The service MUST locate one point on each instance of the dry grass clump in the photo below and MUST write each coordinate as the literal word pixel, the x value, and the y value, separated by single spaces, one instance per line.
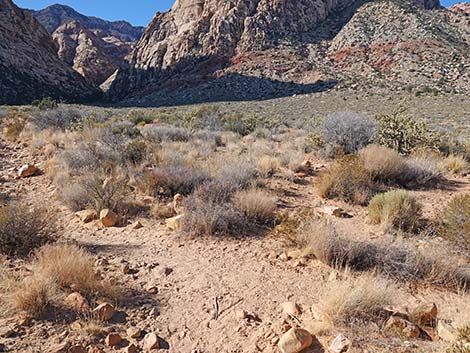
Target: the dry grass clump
pixel 383 163
pixel 23 229
pixel 70 267
pixel 54 271
pixel 268 165
pixel 163 133
pixel 397 209
pixel 256 205
pixel 456 220
pixel 347 180
pixel 14 124
pixel 357 299
pixel 455 164
pixel 32 294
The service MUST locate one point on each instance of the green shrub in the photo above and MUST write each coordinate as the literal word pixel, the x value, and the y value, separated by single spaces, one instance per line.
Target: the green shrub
pixel 397 209
pixel 456 220
pixel 23 230
pixel 401 132
pixel 347 180
pixel 46 103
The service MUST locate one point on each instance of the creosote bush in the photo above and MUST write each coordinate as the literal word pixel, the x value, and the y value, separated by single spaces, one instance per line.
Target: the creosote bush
pixel 456 221
pixel 347 180
pixel 350 131
pixel 23 229
pixel 397 209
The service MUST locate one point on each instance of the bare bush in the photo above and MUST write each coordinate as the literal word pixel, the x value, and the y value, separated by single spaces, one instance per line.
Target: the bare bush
pixel 421 171
pixel 349 130
pixel 23 229
pixel 456 221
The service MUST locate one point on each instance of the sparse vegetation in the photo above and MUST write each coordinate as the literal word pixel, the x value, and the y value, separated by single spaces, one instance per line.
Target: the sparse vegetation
pixel 57 118
pixel 397 209
pixel 23 229
pixel 46 103
pixel 256 205
pixel 383 163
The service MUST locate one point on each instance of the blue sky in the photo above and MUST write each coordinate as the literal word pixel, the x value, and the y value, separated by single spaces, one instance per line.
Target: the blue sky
pixel 137 12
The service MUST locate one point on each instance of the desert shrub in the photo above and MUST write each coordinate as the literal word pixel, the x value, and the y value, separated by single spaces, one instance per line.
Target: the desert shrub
pixel 211 213
pixel 124 128
pixel 456 220
pixel 421 171
pixel 135 151
pixel 401 132
pixel 139 117
pixel 171 180
pixel 347 180
pixel 383 163
pixel 356 299
pixel 75 196
pixel 14 124
pixel 46 103
pixel 256 205
pixel 241 124
pixel 72 268
pixel 60 118
pixel 455 164
pixel 349 130
pixel 23 229
pixel 162 133
pixel 397 209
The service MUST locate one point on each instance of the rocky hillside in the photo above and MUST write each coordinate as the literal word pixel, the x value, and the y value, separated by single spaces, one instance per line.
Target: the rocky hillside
pixel 93 47
pixel 29 66
pixel 54 16
pixel 344 43
pixel 89 55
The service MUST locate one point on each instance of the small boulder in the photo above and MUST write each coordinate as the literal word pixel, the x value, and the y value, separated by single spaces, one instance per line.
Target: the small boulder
pixel 113 339
pixel 136 225
pixel 241 314
pixel 104 312
pixel 131 348
pixel 290 309
pixel 77 302
pixel 424 314
pixel 447 332
pixel 402 327
pixel 109 218
pixel 295 340
pixel 174 223
pixel 340 344
pixel 87 216
pixel 28 170
pixel 134 332
pixel 151 342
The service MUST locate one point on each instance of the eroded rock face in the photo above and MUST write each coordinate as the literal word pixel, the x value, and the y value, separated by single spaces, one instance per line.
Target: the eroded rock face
pixel 247 47
pixel 88 54
pixel 194 30
pixel 29 66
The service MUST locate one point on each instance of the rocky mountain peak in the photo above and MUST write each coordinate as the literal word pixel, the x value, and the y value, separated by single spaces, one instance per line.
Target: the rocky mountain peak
pixel 29 66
